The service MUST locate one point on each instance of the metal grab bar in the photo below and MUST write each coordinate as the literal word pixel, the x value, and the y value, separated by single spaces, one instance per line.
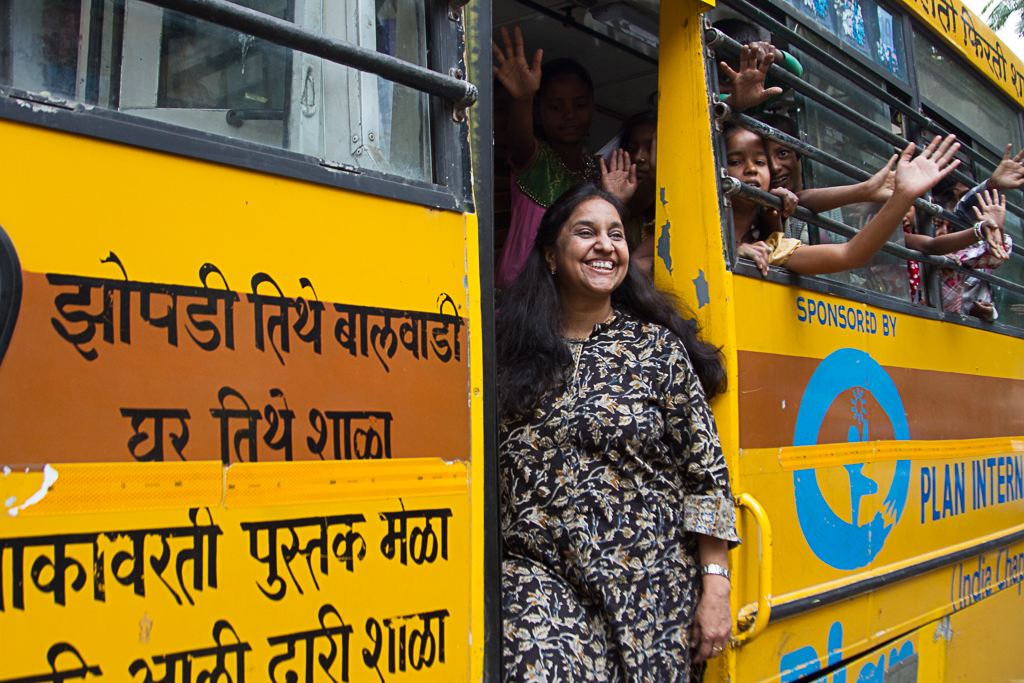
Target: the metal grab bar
pixel 724 113
pixel 733 187
pixel 762 19
pixel 764 573
pixel 716 39
pixel 794 38
pixel 286 34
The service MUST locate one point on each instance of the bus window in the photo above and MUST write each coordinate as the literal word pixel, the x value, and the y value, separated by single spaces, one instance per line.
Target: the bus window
pixel 166 66
pixel 41 47
pixel 832 133
pixel 951 89
pixel 951 92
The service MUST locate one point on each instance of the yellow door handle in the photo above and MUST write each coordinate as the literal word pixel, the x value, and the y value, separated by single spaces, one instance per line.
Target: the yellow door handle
pixel 764 573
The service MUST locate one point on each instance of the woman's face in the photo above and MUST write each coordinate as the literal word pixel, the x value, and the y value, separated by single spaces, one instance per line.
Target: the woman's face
pixel 786 168
pixel 566 110
pixel 747 160
pixel 590 257
pixel 640 146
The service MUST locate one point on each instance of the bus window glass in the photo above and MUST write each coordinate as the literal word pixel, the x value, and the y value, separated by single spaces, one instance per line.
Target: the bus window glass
pixel 874 32
pixel 166 66
pixel 951 88
pixel 209 67
pixel 839 137
pixel 1009 304
pixel 820 11
pixel 41 47
pixel 865 26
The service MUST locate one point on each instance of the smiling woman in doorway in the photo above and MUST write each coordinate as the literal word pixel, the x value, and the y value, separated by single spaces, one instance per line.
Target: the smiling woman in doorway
pixel 616 508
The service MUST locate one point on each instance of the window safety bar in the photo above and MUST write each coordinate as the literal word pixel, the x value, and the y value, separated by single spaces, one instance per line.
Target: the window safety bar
pixel 724 113
pixel 460 93
pixel 792 37
pixel 734 188
pixel 717 40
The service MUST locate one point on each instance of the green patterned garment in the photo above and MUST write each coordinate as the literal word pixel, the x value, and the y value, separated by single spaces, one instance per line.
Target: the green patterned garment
pixel 548 178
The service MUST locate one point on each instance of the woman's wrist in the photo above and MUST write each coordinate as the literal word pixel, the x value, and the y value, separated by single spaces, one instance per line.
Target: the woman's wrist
pixel 716 585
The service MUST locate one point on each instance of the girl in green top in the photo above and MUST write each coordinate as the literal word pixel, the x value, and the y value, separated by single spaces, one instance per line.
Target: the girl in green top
pixel 549 158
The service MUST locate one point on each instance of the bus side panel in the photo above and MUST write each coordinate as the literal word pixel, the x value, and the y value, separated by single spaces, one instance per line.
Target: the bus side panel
pixel 236 423
pixel 216 300
pixel 984 639
pixel 861 434
pixel 185 567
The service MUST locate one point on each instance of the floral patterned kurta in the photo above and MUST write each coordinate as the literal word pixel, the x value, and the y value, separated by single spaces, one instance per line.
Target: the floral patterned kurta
pixel 603 491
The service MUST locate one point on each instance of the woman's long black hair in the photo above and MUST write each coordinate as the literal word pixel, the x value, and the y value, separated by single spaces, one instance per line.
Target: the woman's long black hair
pixel 532 351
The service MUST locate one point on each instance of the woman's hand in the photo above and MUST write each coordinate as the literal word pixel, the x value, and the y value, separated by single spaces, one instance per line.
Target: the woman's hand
pixel 879 187
pixel 991 212
pixel 712 624
pixel 620 179
pixel 520 79
pixel 917 176
pixel 748 83
pixel 759 253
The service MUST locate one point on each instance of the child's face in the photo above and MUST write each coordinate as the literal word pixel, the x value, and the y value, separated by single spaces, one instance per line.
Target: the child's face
pixel 786 167
pixel 941 227
pixel 566 110
pixel 910 220
pixel 640 147
pixel 747 159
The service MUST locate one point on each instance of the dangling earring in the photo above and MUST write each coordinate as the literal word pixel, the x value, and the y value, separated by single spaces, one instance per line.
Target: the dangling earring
pixel 552 270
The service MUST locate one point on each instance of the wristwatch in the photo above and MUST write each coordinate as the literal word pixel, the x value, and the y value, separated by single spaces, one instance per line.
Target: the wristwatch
pixel 716 569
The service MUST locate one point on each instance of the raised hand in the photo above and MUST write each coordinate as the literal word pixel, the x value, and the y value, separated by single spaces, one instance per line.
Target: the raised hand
pixel 917 176
pixel 620 179
pixel 748 83
pixel 1009 174
pixel 511 68
pixel 879 187
pixel 991 212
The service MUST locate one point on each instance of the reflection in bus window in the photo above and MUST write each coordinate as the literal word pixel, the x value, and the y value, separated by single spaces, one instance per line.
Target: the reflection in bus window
pixel 136 58
pixel 865 26
pixel 951 88
pixel 208 67
pixel 41 46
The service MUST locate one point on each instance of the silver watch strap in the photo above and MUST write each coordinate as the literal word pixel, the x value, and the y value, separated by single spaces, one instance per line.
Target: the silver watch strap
pixel 716 569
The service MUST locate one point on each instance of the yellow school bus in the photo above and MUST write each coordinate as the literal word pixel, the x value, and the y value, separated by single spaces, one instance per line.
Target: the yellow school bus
pixel 246 363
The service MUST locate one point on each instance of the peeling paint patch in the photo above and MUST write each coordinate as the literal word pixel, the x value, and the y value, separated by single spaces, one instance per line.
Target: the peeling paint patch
pixel 49 479
pixel 700 284
pixel 664 246
pixel 145 628
pixel 37 108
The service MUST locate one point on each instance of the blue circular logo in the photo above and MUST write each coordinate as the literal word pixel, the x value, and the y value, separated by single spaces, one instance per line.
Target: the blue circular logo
pixel 836 542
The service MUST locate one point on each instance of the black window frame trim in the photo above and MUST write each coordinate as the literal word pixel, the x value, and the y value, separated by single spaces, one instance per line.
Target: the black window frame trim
pixel 114 126
pixel 450 165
